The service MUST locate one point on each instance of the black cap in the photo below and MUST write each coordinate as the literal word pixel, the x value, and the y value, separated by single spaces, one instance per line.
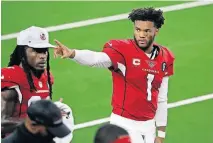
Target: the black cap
pixel 45 112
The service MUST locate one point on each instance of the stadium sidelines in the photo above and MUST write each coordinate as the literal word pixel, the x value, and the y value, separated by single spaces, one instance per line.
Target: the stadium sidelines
pixel 110 18
pixel 170 105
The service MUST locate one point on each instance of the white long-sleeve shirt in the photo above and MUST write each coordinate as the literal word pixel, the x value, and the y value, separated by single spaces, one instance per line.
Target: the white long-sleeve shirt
pixel 68 120
pixel 102 60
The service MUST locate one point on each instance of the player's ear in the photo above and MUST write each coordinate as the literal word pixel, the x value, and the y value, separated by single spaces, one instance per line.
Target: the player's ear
pixel 156 31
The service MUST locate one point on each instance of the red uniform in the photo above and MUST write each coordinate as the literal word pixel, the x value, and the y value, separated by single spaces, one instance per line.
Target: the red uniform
pixel 136 78
pixel 15 77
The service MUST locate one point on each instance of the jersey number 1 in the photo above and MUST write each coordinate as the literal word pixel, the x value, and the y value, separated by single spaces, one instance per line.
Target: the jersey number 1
pixel 150 78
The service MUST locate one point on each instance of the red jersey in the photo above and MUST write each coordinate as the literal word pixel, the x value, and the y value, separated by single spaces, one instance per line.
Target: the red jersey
pixel 137 78
pixel 15 77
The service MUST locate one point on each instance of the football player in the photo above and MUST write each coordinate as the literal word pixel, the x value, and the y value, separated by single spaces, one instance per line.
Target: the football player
pixel 140 70
pixel 27 77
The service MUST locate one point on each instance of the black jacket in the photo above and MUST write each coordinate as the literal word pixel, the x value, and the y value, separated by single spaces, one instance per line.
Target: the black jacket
pixel 22 135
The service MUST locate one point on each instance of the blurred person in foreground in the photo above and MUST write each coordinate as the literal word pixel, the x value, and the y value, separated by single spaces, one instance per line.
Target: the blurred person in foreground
pixel 110 133
pixel 43 124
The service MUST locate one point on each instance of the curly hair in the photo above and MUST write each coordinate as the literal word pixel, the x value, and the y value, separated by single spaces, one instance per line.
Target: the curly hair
pixel 148 14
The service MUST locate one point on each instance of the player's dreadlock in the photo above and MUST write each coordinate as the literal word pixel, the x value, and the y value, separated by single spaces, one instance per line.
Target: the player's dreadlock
pixel 19 56
pixel 48 74
pixel 148 14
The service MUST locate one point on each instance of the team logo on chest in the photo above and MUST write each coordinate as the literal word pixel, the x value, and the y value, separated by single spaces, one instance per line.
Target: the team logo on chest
pixel 151 63
pixel 40 84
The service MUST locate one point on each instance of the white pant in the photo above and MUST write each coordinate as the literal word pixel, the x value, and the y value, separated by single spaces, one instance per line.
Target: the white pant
pixel 140 131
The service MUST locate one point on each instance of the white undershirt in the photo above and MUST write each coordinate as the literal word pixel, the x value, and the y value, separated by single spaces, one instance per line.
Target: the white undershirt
pixel 102 60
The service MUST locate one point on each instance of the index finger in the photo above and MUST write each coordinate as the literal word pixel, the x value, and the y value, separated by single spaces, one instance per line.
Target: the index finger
pixel 58 43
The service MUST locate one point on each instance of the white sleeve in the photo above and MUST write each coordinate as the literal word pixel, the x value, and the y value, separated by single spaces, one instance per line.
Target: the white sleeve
pixel 67 139
pixel 162 111
pixel 68 120
pixel 92 59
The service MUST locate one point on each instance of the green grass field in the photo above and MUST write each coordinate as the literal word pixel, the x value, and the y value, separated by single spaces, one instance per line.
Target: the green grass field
pixel 188 33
